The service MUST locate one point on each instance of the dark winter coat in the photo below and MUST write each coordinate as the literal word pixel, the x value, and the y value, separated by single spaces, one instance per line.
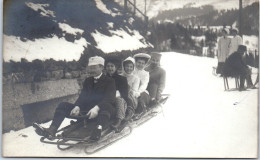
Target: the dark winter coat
pixel 121 85
pixel 235 65
pixel 101 93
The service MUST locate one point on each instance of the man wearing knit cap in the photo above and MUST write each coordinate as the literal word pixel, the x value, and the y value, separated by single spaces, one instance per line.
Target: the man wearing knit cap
pixel 95 101
pixel 157 78
pixel 236 66
pixel 235 41
pixel 223 49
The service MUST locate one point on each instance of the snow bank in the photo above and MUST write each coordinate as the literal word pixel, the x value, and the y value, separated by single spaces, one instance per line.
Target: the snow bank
pixel 40 7
pixel 45 48
pixel 120 40
pixel 68 29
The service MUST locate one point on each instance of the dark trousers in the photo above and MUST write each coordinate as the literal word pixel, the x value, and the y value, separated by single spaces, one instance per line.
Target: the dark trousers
pixel 63 111
pixel 246 76
pixel 220 66
pixel 152 88
pixel 143 101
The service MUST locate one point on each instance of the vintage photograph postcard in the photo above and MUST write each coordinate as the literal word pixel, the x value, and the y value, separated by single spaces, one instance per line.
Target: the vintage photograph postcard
pixel 130 78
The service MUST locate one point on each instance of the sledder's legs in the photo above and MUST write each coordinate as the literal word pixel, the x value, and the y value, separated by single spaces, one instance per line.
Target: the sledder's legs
pixel 121 107
pixel 143 101
pixel 62 111
pixel 132 100
pixel 152 89
pixel 102 121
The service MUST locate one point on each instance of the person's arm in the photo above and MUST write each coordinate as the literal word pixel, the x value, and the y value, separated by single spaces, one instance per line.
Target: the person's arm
pixel 82 96
pixel 144 82
pixel 219 47
pixel 135 87
pixel 124 89
pixel 161 85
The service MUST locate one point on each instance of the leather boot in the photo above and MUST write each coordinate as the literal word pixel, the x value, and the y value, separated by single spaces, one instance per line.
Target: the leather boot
pixel 96 134
pixel 45 132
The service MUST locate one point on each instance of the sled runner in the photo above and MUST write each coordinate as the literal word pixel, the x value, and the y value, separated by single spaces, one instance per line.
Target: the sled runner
pixel 78 133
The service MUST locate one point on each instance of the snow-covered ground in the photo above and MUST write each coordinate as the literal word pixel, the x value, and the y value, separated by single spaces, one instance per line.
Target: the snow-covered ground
pixel 199 120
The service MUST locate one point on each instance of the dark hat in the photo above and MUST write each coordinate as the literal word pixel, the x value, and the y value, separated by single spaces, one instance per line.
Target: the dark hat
pixel 225 30
pixel 242 48
pixel 156 55
pixel 115 60
pixel 235 29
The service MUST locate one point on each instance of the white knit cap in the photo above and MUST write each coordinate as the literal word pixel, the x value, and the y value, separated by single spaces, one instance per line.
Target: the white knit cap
pixel 96 60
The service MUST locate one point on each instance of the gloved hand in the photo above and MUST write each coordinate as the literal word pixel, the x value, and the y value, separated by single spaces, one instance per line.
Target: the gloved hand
pixel 93 112
pixel 75 111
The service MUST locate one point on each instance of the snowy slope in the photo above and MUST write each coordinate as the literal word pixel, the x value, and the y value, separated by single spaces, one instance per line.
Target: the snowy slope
pixel 199 120
pixel 47 29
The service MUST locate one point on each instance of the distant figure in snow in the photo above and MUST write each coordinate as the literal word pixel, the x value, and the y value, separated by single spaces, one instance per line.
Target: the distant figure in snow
pixel 133 86
pixel 156 83
pixel 95 100
pixel 223 50
pixel 142 60
pixel 236 66
pixel 235 41
pixel 121 102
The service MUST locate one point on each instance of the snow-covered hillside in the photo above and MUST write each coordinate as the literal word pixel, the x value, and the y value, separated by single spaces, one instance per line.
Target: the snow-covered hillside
pixel 155 6
pixel 48 29
pixel 199 120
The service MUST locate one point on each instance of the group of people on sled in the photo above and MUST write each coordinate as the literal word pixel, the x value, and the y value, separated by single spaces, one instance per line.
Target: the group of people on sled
pixel 231 58
pixel 110 95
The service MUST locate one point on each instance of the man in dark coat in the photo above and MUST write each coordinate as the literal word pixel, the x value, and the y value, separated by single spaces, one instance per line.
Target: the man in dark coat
pixel 95 100
pixel 156 83
pixel 236 66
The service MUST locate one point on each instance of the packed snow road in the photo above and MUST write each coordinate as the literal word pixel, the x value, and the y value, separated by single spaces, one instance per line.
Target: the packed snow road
pixel 199 120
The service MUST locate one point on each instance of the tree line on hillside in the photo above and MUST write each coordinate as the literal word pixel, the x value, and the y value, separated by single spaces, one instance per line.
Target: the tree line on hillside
pixel 181 13
pixel 211 17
